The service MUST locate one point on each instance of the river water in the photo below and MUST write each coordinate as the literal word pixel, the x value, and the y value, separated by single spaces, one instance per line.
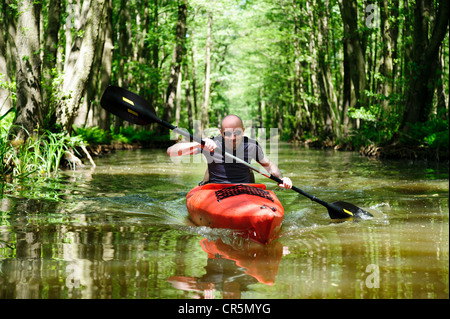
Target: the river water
pixel 121 231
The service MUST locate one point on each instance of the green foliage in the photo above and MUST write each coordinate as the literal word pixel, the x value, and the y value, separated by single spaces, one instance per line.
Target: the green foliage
pixel 130 135
pixel 93 135
pixel 5 124
pixel 127 135
pixel 371 132
pixel 39 155
pixel 433 133
pixel 55 94
pixel 9 86
pixel 377 125
pixel 363 114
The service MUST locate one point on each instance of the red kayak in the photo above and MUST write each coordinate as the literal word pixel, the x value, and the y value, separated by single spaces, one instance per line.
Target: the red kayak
pixel 249 209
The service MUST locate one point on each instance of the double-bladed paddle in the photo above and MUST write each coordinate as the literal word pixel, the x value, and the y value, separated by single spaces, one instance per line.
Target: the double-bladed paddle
pixel 134 109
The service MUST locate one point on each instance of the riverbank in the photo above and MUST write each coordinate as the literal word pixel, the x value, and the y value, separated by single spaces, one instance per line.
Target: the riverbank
pixel 97 150
pixel 395 152
pixel 391 152
pixel 410 152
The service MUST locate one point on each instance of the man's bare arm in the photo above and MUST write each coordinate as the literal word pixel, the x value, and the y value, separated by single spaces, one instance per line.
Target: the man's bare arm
pixel 190 148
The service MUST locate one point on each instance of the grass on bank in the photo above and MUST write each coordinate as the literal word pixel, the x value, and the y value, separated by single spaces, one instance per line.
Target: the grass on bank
pixel 39 155
pixel 42 155
pixel 126 135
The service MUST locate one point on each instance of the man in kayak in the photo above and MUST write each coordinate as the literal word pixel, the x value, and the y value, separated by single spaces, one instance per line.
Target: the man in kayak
pixel 222 169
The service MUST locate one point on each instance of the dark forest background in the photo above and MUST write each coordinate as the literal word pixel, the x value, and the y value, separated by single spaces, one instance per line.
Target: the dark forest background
pixel 348 74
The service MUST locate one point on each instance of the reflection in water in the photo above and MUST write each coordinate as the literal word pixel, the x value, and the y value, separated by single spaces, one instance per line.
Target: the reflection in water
pixel 232 267
pixel 260 261
pixel 121 232
pixel 81 260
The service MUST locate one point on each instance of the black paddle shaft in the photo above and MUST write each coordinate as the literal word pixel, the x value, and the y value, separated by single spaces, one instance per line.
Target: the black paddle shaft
pixel 298 190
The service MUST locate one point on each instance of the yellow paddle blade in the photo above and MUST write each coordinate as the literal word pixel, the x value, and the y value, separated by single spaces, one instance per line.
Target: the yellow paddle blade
pixel 348 212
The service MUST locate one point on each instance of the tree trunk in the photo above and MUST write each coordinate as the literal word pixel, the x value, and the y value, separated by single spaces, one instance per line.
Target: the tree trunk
pixel 425 61
pixel 207 86
pixel 194 79
pixel 178 99
pixel 144 50
pixel 297 99
pixel 154 80
pixel 187 92
pixel 347 101
pixel 91 113
pixel 5 95
pixel 327 94
pixel 261 107
pixel 50 54
pixel 78 14
pixel 104 117
pixel 87 109
pixel 387 67
pixel 124 45
pixel 442 98
pixel 314 90
pixel 407 33
pixel 80 64
pixel 394 14
pixel 28 71
pixel 355 49
pixel 178 53
pixel 304 89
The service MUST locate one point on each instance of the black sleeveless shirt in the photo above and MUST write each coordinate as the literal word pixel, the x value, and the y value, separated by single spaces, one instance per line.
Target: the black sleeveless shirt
pixel 223 169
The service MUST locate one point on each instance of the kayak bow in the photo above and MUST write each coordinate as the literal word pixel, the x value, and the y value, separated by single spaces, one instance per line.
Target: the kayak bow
pixel 249 210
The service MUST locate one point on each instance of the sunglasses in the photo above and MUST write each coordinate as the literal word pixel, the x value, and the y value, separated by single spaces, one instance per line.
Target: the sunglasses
pixel 230 133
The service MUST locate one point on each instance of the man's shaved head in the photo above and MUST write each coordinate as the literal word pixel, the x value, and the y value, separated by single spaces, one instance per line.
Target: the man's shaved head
pixel 231 120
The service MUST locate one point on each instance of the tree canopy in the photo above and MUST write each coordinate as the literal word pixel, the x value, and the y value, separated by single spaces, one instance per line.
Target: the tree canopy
pixel 339 72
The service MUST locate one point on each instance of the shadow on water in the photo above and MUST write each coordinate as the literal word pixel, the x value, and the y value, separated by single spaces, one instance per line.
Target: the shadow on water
pixel 121 231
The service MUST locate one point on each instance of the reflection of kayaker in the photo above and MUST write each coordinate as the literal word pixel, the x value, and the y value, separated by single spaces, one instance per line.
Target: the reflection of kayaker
pixel 260 262
pixel 223 279
pixel 191 284
pixel 231 268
